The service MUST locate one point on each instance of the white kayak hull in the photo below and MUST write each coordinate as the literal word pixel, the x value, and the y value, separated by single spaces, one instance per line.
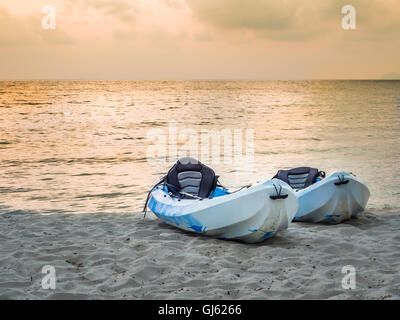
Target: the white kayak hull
pixel 330 200
pixel 248 215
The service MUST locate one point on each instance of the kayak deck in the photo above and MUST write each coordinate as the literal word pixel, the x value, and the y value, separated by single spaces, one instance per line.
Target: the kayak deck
pixel 252 214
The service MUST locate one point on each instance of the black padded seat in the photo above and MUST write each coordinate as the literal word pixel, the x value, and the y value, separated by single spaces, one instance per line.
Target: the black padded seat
pixel 298 178
pixel 190 176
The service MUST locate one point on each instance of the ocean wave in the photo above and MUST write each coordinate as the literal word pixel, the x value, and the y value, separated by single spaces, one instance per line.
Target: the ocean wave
pixel 105 195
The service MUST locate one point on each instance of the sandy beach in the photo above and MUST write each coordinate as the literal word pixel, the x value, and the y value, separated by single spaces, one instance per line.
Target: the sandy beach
pixel 124 256
pixel 100 99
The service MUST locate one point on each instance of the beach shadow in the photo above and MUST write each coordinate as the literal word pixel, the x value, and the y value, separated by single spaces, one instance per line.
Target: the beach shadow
pixel 276 241
pixel 365 221
pixel 286 239
pixel 163 227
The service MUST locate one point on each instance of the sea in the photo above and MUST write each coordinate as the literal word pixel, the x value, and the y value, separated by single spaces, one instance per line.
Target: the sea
pixel 98 146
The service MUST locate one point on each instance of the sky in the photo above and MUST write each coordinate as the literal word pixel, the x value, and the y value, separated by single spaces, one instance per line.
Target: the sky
pixel 199 39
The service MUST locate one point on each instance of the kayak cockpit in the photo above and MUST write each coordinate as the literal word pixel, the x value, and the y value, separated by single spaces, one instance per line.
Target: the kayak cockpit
pixel 217 192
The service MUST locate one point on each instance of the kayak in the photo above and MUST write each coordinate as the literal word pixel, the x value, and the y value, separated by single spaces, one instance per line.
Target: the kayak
pixel 334 199
pixel 251 214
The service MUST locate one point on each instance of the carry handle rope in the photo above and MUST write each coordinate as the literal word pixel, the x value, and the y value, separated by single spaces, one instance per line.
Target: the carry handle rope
pixel 341 181
pixel 173 192
pixel 278 193
pixel 148 195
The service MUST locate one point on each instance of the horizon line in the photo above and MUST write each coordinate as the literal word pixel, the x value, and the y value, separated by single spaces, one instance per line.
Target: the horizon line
pixel 197 79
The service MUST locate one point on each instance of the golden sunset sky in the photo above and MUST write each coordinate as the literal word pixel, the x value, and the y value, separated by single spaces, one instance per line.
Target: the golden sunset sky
pixel 199 39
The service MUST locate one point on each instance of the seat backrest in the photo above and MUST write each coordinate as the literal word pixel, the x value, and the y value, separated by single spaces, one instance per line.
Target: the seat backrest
pixel 191 176
pixel 298 178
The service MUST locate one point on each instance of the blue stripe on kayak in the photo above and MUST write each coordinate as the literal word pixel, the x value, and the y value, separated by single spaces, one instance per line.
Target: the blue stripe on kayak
pixel 265 235
pixel 196 228
pixel 172 215
pixel 332 217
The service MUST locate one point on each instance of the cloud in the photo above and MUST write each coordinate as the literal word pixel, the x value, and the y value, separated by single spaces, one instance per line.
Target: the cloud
pixel 13 31
pixel 51 37
pixel 243 14
pixel 123 10
pixel 175 4
pixel 181 39
pixel 28 32
pixel 298 19
pixel 276 19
